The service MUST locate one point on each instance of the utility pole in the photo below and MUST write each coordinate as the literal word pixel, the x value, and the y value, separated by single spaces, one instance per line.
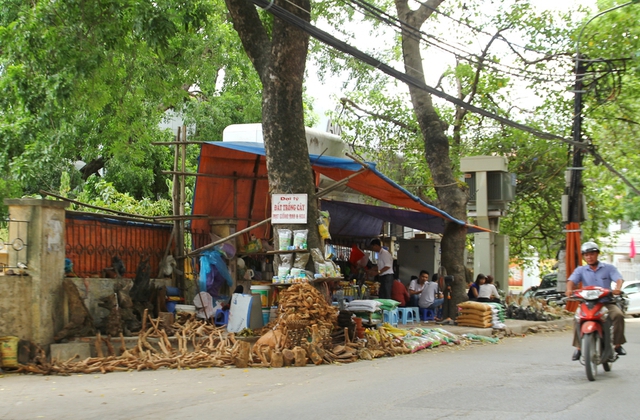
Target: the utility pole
pixel 573 200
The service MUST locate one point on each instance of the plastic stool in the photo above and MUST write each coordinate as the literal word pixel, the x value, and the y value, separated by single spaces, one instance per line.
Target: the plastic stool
pixel 222 317
pixel 427 314
pixel 406 315
pixel 416 313
pixel 390 317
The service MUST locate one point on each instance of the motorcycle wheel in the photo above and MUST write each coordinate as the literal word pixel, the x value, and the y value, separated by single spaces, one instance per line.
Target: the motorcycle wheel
pixel 591 354
pixel 606 366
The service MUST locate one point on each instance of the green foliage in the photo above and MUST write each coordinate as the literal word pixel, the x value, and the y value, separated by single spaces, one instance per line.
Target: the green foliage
pixel 93 80
pixel 100 193
pixel 538 59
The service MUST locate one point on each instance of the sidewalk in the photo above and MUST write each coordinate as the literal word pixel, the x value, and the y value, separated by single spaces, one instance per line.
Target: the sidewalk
pixel 513 327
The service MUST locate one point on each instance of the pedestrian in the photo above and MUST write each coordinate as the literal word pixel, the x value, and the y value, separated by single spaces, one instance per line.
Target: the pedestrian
pixel 384 269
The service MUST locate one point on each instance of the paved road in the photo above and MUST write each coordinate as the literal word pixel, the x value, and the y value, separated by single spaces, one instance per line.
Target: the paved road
pixel 528 377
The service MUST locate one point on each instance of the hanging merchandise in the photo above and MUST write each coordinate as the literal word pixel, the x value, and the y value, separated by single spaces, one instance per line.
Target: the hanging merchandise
pixel 213 273
pixel 323 225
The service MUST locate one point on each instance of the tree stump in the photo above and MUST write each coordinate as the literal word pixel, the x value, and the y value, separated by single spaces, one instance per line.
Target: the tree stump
pixel 243 355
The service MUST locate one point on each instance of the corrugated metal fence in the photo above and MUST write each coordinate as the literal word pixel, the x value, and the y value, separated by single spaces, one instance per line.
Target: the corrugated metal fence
pixel 92 240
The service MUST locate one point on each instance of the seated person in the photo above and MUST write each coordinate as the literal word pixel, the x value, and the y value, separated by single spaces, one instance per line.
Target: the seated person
pixel 488 291
pixel 416 286
pixel 474 287
pixel 431 296
pixel 399 293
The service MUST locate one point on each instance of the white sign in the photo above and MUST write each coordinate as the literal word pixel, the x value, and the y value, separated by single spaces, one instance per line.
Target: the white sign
pixel 289 208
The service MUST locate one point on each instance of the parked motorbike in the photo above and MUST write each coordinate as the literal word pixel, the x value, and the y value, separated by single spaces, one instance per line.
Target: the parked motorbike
pixel 596 335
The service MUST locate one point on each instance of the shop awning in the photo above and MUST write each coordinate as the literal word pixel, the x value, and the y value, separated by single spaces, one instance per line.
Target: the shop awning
pixel 364 220
pixel 232 184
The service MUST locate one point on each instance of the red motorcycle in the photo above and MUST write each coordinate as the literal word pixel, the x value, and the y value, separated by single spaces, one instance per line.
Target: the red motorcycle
pixel 595 329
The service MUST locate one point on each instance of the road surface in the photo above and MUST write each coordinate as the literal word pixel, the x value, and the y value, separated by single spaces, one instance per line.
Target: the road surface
pixel 529 377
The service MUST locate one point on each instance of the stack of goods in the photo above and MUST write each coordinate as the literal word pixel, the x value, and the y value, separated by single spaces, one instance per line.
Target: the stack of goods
pixel 364 305
pixel 498 315
pixel 368 310
pixel 475 314
pixel 388 304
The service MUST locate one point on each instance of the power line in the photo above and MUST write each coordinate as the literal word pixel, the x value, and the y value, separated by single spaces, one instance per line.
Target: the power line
pixel 458 51
pixel 328 39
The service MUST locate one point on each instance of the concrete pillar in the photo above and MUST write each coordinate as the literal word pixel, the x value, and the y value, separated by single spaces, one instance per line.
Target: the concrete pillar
pixel 483 253
pixel 501 268
pixel 40 224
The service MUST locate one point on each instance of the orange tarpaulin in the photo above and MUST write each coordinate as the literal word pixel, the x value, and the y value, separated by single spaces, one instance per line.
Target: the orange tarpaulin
pixel 573 256
pixel 233 184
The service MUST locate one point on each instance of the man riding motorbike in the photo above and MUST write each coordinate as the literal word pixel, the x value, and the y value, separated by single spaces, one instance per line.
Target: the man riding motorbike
pixel 597 273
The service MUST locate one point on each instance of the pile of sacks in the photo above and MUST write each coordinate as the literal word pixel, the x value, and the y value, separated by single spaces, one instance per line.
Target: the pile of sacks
pixel 475 314
pixel 498 315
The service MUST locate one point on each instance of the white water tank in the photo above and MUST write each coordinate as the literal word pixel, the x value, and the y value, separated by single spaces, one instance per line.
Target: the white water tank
pixel 319 142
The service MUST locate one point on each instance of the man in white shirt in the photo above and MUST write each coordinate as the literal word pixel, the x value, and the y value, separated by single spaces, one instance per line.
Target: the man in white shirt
pixel 385 269
pixel 431 296
pixel 415 287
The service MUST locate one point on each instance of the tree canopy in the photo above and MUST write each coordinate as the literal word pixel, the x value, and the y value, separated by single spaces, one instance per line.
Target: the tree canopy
pixel 91 82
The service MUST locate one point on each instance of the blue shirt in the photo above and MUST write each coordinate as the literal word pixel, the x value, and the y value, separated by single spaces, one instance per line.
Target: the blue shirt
pixel 602 276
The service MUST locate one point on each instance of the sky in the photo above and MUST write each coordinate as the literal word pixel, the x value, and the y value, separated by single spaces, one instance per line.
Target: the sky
pixel 324 94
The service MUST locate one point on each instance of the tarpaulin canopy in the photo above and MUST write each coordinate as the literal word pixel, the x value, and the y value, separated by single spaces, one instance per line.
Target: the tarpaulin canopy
pixel 232 184
pixel 364 220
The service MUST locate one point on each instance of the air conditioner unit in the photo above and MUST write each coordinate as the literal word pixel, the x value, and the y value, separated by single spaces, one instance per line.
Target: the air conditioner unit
pixel 501 189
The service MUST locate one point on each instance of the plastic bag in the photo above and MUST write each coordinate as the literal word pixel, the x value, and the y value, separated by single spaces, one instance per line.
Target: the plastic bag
pixel 323 225
pixel 284 239
pixel 317 256
pixel 213 272
pixel 301 260
pixel 300 239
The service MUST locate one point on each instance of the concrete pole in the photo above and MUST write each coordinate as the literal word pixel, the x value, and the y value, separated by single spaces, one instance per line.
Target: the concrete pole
pixel 41 225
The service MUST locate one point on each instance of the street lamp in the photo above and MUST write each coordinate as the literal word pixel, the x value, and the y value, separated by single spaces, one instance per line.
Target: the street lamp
pixel 575 204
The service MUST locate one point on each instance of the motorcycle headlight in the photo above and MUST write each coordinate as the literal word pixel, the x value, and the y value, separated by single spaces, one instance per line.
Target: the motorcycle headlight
pixel 590 294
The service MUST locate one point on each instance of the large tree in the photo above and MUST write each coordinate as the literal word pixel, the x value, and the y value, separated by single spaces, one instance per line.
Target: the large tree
pixel 278 52
pixel 451 196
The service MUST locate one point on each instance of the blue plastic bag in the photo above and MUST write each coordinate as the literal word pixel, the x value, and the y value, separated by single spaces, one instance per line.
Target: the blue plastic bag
pixel 213 272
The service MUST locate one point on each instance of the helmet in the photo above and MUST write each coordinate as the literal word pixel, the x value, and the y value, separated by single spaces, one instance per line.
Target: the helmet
pixel 589 247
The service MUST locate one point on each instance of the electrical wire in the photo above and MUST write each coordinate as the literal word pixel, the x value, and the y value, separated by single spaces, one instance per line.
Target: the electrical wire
pixel 328 39
pixel 457 51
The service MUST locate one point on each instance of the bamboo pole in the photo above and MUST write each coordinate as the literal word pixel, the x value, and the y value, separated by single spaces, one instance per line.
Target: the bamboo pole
pixel 213 175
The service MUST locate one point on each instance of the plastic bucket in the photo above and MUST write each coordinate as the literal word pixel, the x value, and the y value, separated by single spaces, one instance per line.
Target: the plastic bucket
pixel 265 316
pixel 171 306
pixel 263 291
pixel 9 351
pixel 191 309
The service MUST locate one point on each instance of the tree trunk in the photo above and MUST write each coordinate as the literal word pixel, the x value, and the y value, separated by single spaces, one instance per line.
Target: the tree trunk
pixel 452 198
pixel 280 62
